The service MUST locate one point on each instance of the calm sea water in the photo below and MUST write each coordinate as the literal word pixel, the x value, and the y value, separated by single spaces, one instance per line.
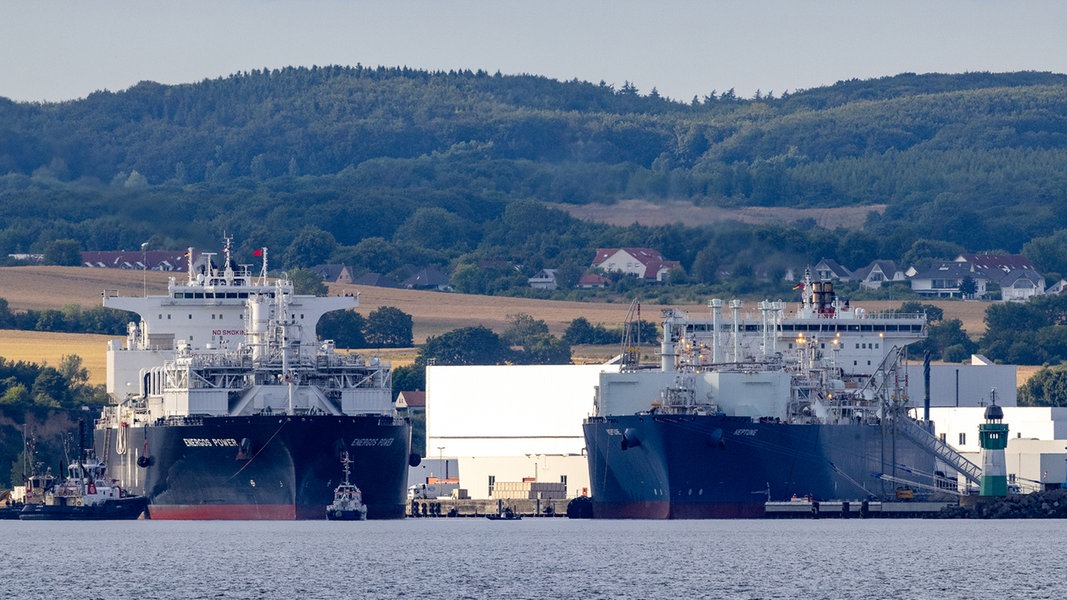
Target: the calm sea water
pixel 534 558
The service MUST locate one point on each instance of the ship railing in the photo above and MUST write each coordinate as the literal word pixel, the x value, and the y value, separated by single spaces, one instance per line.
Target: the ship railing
pixel 920 435
pixel 888 314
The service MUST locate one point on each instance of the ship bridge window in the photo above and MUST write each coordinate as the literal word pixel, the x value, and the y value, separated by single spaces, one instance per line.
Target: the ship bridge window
pixel 963 438
pixel 198 295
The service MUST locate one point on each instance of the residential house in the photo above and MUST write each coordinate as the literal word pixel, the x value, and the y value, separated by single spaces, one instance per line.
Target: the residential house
pixel 644 263
pixel 878 272
pixel 592 280
pixel 428 278
pixel 829 269
pixel 545 279
pixel 1014 273
pixel 1021 285
pixel 413 404
pixel 943 280
pixel 1057 288
pixel 375 280
pixel 334 273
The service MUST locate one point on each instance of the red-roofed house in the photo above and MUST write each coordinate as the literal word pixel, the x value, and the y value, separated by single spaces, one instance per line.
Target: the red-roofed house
pixel 644 263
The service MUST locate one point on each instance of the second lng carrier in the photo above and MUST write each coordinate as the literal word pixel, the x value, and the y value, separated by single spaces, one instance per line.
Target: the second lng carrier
pixel 746 411
pixel 227 406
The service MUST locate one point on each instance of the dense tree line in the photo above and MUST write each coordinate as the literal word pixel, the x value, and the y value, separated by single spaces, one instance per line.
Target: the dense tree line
pixel 386 168
pixel 384 327
pixel 24 384
pixel 390 169
pixel 71 319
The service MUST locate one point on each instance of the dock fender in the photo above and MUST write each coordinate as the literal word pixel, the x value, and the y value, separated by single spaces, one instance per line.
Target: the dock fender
pixel 414 459
pixel 715 438
pixel 630 439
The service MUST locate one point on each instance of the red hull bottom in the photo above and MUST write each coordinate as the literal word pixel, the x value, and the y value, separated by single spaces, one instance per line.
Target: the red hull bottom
pixel 665 510
pixel 227 512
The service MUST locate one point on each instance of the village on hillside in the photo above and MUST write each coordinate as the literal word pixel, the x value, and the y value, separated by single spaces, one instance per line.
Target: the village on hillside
pixel 969 276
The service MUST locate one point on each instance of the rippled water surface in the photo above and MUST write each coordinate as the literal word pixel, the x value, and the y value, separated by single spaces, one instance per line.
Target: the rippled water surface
pixel 534 558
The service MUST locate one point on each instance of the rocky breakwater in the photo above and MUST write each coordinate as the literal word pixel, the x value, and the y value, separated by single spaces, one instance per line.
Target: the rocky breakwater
pixel 1037 505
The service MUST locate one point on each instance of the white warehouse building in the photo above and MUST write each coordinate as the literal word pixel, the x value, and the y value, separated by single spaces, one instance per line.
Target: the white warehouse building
pixel 512 423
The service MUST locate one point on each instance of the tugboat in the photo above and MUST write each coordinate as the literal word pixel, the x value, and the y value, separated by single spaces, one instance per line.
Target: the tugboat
pixel 347 499
pixel 37 483
pixel 85 494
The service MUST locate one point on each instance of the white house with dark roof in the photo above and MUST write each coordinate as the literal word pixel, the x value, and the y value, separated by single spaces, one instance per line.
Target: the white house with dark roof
pixel 878 272
pixel 1021 285
pixel 643 263
pixel 1014 273
pixel 334 273
pixel 829 269
pixel 943 280
pixel 545 279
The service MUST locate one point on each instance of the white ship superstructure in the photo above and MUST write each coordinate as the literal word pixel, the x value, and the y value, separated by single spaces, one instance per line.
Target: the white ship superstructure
pixel 822 328
pixel 227 343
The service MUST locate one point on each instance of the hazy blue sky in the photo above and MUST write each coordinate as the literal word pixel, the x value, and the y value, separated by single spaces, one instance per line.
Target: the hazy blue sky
pixel 57 50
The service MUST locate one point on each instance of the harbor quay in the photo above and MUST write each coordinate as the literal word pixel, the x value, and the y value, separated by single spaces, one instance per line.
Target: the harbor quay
pixel 448 507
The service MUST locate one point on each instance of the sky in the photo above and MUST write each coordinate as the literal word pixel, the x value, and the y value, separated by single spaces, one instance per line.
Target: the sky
pixel 62 49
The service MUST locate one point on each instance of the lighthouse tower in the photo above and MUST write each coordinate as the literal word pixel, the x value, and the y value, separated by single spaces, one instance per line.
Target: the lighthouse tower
pixel 993 435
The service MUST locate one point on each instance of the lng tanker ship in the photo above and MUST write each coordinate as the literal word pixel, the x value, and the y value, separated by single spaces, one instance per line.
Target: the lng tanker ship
pixel 744 411
pixel 227 406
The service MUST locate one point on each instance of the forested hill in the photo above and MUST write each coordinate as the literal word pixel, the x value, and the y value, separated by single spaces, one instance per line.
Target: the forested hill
pixel 356 151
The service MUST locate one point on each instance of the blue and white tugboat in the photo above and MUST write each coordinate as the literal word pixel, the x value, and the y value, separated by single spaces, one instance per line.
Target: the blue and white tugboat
pixel 347 499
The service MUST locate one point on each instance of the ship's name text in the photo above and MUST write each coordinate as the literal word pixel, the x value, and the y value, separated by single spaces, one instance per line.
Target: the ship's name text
pixel 751 432
pixel 209 442
pixel 372 442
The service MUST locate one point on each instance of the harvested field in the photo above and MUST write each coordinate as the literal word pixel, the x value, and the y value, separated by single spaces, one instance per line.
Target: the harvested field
pixel 433 313
pixel 50 348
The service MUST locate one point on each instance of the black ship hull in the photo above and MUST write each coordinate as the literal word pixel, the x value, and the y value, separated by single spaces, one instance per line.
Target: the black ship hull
pixel 704 466
pixel 118 509
pixel 260 467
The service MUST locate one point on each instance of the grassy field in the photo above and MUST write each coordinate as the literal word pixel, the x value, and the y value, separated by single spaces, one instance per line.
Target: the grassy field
pixel 433 313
